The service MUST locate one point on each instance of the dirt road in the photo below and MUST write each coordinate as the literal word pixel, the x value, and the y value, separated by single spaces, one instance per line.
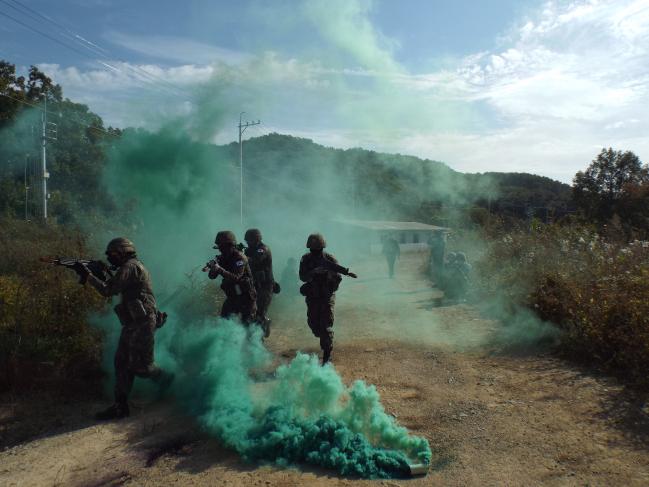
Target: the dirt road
pixel 491 419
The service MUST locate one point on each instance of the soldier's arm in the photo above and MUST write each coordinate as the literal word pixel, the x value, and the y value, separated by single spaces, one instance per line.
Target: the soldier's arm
pixel 335 267
pixel 239 267
pixel 305 272
pixel 112 285
pixel 269 262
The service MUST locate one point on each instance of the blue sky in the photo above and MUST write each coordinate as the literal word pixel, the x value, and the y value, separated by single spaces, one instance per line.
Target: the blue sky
pixel 532 86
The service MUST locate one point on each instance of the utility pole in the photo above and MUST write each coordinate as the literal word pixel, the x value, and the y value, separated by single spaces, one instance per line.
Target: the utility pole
pixel 242 129
pixel 49 132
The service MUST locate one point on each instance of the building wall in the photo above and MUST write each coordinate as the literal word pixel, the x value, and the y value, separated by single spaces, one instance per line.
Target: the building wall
pixel 409 240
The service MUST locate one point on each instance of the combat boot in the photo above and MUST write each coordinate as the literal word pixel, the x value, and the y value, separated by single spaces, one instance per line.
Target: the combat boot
pixel 164 381
pixel 118 410
pixel 265 325
pixel 326 356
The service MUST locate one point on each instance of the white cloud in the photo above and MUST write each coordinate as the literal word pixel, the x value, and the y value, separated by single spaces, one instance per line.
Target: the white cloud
pixel 564 83
pixel 177 49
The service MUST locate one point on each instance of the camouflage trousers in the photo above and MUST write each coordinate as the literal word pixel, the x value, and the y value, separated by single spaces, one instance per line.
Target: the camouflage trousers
pixel 244 305
pixel 320 318
pixel 134 357
pixel 391 260
pixel 264 297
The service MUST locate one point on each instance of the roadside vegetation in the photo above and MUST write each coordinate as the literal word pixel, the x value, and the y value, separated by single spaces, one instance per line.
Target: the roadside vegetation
pixel 575 256
pixel 593 287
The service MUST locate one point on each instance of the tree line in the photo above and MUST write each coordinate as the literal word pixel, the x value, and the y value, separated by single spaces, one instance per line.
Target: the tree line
pixel 612 190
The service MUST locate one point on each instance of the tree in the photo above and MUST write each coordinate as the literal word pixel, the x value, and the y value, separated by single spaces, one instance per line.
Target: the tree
pixel 75 161
pixel 615 183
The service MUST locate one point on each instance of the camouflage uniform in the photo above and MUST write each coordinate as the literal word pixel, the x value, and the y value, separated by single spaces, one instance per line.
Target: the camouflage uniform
pixel 391 250
pixel 261 266
pixel 137 314
pixel 238 286
pixel 289 279
pixel 437 254
pixel 321 282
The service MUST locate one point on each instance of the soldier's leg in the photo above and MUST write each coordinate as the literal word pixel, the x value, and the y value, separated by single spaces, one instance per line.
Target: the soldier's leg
pixel 248 309
pixel 123 372
pixel 228 309
pixel 142 357
pixel 326 312
pixel 391 260
pixel 264 297
pixel 123 379
pixel 312 316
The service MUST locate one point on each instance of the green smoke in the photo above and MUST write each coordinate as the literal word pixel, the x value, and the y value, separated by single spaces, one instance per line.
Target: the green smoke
pixel 303 415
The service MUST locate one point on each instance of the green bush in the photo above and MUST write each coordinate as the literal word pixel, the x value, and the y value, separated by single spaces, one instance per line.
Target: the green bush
pixel 596 290
pixel 44 333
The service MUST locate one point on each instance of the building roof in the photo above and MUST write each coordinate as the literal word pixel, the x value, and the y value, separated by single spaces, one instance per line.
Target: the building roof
pixel 392 226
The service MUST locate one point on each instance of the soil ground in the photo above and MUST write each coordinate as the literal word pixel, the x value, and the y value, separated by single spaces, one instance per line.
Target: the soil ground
pixel 492 418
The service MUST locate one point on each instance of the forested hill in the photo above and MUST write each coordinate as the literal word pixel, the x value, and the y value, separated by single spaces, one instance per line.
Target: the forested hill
pixel 412 185
pixel 384 185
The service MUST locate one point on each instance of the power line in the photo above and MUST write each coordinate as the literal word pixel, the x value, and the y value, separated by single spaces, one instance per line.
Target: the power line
pixel 242 128
pixel 73 119
pixel 91 46
pixel 72 35
pixel 137 71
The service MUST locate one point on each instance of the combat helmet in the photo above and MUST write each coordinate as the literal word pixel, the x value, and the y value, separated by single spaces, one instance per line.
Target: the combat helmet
pixel 252 234
pixel 316 242
pixel 225 237
pixel 121 246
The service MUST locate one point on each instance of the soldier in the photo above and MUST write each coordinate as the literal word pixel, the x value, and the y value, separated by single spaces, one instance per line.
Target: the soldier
pixel 290 278
pixel 461 271
pixel 437 251
pixel 392 251
pixel 237 279
pixel 261 265
pixel 139 318
pixel 321 275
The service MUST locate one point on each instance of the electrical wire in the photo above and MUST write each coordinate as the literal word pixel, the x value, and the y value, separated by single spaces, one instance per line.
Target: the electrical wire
pixel 138 72
pixel 92 47
pixel 68 117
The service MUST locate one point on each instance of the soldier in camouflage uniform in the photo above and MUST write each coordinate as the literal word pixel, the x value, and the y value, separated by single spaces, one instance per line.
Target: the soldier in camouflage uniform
pixel 240 294
pixel 139 318
pixel 261 265
pixel 320 273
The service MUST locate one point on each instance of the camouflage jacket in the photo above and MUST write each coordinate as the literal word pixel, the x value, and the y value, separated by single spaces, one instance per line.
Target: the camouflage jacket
pixel 391 248
pixel 237 277
pixel 133 282
pixel 260 260
pixel 321 274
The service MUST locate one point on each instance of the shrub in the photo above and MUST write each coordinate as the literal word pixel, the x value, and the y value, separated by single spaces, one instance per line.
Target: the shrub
pixel 596 290
pixel 43 310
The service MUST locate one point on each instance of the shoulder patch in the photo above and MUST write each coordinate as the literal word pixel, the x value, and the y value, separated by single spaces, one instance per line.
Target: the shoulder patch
pixel 260 250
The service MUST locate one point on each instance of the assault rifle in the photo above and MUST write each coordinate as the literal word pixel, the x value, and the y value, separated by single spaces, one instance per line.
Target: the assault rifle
pixel 97 268
pixel 211 263
pixel 327 265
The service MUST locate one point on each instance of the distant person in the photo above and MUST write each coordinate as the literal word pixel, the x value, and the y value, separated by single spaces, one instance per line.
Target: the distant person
pixel 237 284
pixel 320 273
pixel 260 260
pixel 290 278
pixel 437 250
pixel 457 276
pixel 139 318
pixel 391 250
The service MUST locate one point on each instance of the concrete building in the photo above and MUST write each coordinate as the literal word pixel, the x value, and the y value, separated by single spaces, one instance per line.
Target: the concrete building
pixel 412 236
